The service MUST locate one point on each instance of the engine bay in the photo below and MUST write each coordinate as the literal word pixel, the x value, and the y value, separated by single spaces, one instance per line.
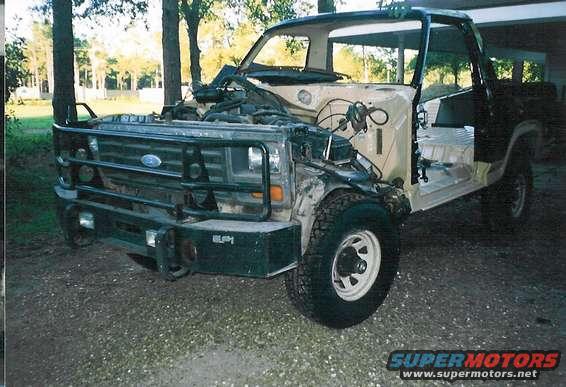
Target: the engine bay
pixel 340 125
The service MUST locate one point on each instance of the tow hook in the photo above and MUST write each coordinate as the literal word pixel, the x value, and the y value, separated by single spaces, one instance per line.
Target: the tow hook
pixel 161 256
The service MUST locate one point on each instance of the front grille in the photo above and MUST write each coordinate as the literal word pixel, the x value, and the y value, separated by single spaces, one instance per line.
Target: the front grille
pixel 130 152
pixel 167 179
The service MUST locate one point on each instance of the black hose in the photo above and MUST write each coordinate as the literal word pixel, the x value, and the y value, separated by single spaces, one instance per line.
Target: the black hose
pixel 373 110
pixel 227 105
pixel 249 86
pixel 227 117
pixel 343 179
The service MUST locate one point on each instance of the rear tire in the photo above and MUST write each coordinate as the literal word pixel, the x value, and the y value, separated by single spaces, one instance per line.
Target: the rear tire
pixel 350 263
pixel 506 205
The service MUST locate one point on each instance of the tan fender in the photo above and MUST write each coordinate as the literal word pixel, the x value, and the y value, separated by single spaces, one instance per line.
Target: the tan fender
pixel 530 130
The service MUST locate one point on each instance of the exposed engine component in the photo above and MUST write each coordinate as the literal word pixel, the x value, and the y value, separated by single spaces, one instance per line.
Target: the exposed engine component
pixel 234 99
pixel 357 115
pixel 238 100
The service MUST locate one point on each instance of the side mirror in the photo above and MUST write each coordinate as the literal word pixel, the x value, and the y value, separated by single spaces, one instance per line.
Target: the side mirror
pixel 422 116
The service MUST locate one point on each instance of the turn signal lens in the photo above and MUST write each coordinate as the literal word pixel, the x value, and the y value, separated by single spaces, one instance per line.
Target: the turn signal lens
pixel 150 236
pixel 86 220
pixel 275 191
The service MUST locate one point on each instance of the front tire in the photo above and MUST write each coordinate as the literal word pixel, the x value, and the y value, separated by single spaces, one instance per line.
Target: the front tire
pixel 350 263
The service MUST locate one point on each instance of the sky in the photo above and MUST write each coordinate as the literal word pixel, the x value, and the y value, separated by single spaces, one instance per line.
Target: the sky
pixel 109 31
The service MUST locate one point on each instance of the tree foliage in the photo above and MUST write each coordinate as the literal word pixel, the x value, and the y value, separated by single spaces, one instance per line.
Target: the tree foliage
pixel 63 41
pixel 365 64
pixel 443 63
pixel 268 13
pixel 533 72
pixel 326 6
pixel 263 12
pixel 16 66
pixel 447 62
pixel 92 9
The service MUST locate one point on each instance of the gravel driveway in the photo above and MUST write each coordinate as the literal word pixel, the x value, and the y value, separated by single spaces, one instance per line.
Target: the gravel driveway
pixel 93 317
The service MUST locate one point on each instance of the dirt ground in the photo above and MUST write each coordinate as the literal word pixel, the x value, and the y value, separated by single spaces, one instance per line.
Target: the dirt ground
pixel 93 317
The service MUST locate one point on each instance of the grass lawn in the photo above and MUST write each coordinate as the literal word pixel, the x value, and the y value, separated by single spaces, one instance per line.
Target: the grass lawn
pixel 30 169
pixel 30 175
pixel 36 116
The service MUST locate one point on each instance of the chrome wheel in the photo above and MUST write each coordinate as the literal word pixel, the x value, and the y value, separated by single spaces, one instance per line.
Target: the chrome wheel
pixel 356 265
pixel 518 195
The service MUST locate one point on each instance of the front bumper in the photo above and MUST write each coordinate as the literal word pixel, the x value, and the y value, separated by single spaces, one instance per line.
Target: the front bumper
pixel 232 247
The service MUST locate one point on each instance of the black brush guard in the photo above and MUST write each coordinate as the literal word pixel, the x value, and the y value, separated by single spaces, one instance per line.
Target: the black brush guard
pixel 185 181
pixel 225 243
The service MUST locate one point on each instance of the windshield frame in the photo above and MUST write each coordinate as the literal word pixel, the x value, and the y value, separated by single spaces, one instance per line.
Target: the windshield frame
pixel 349 19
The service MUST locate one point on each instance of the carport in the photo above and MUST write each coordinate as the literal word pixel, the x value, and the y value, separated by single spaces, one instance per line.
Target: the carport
pixel 520 30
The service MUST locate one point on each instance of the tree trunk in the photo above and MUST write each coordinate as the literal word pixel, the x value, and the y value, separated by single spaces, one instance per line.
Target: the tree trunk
pixel 326 6
pixel 37 77
pixel 50 72
pixel 93 63
pixel 134 81
pixel 76 73
pixel 192 17
pixel 63 74
pixel 194 54
pixel 517 71
pixel 456 71
pixel 102 80
pixel 171 52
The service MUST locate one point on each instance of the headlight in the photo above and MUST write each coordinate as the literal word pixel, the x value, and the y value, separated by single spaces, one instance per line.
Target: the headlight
pixel 255 160
pixel 81 154
pixel 93 145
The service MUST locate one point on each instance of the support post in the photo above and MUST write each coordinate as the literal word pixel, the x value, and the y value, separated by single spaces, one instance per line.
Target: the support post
pixel 401 60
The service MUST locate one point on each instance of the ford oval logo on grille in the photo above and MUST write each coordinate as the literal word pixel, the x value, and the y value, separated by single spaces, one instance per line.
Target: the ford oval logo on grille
pixel 151 161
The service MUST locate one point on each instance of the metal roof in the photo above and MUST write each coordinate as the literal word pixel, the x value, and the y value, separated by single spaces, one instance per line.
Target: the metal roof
pixel 415 13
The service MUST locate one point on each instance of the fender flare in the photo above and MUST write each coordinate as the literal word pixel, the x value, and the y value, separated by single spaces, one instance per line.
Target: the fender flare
pixel 527 132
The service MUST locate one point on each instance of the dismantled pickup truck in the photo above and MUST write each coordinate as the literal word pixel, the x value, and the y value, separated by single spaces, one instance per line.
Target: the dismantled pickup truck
pixel 298 169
